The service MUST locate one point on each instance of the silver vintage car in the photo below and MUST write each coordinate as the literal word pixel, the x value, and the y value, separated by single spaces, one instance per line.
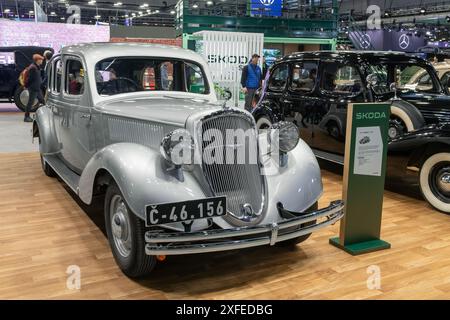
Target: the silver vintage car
pixel 141 125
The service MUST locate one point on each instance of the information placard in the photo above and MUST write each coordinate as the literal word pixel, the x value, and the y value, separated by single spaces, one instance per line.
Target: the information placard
pixel 364 176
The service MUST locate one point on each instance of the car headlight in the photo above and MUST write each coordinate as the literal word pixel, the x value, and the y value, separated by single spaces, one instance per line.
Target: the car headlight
pixel 288 135
pixel 178 148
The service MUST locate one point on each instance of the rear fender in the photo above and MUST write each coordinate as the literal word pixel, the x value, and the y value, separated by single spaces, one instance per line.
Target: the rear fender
pixel 44 128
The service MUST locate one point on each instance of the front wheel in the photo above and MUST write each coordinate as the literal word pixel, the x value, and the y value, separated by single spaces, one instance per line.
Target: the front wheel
pixel 126 234
pixel 435 181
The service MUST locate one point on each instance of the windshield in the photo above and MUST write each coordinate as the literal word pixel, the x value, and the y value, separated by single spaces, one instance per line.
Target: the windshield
pixel 123 75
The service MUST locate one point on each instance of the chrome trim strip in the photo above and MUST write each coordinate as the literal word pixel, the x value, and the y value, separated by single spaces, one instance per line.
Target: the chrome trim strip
pixel 178 243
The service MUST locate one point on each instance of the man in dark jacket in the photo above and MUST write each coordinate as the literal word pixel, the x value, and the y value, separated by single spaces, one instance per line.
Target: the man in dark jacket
pixel 251 80
pixel 33 85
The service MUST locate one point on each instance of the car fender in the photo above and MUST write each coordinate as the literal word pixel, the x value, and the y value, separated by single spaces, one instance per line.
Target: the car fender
pixel 142 176
pixel 297 185
pixel 264 109
pixel 43 127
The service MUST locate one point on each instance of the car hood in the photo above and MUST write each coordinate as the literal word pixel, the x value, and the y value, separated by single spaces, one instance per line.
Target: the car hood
pixel 169 110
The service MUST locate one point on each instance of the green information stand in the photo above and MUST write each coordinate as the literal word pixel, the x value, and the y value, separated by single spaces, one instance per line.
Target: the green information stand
pixel 364 175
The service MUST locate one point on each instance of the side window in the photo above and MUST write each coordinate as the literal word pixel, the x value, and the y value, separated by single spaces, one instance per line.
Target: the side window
pixel 56 71
pixel 304 75
pixel 341 79
pixel 74 77
pixel 415 78
pixel 195 81
pixel 278 79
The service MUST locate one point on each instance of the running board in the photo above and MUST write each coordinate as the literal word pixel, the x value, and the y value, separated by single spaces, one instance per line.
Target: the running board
pixel 67 175
pixel 329 156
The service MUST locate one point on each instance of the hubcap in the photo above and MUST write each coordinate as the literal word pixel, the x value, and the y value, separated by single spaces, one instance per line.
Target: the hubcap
pixel 443 180
pixel 25 96
pixel 120 226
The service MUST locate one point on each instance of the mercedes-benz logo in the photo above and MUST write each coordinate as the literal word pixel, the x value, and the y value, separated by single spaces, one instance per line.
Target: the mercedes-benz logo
pixel 267 2
pixel 365 41
pixel 403 41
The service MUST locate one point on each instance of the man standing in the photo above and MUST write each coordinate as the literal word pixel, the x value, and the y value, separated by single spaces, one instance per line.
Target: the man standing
pixel 33 85
pixel 251 80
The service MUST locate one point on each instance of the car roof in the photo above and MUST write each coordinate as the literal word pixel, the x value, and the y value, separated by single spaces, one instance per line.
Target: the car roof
pixel 356 56
pixel 97 51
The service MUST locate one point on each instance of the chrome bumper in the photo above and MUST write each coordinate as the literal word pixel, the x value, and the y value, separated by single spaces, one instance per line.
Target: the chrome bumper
pixel 159 243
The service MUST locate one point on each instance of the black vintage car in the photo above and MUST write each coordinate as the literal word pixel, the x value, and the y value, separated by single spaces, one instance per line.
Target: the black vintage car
pixel 12 62
pixel 313 89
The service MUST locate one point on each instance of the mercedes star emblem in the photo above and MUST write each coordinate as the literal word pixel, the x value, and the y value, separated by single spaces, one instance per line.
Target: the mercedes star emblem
pixel 403 41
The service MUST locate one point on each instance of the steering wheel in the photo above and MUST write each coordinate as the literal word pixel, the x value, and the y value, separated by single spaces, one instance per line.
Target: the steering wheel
pixel 116 83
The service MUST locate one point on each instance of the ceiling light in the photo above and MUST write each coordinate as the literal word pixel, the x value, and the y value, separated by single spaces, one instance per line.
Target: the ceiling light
pixel 209 3
pixel 53 13
pixel 7 11
pixel 97 16
pixel 141 13
pixel 62 18
pixel 31 12
pixel 195 6
pixel 149 11
pixel 126 16
pixel 133 14
pixel 92 2
pixel 118 4
pixel 145 5
pixel 423 10
pixel 156 11
pixel 172 11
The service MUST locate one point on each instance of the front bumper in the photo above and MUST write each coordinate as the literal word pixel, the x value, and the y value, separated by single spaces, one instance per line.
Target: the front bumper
pixel 159 243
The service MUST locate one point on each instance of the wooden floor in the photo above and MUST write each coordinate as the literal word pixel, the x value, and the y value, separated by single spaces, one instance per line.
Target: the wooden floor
pixel 44 230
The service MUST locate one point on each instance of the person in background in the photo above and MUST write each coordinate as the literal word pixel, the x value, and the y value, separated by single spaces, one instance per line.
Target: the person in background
pixel 34 85
pixel 251 80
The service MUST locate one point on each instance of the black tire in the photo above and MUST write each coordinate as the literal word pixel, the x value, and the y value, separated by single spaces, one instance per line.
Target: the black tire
pixel 405 117
pixel 128 248
pixel 434 180
pixel 49 172
pixel 294 241
pixel 19 101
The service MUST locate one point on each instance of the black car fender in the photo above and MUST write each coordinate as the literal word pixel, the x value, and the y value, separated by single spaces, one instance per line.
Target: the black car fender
pixel 418 145
pixel 269 109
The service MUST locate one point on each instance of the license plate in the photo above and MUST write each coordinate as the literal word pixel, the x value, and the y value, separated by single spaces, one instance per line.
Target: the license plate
pixel 164 213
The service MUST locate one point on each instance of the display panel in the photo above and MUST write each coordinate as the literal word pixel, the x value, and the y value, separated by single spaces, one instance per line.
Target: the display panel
pixel 54 35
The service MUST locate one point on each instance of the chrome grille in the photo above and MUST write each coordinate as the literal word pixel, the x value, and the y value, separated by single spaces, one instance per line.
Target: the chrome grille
pixel 239 181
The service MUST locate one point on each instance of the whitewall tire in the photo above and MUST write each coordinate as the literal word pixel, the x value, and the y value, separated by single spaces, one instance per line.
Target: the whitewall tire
pixel 263 123
pixel 435 181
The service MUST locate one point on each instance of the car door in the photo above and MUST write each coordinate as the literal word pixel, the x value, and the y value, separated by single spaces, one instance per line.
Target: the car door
pixel 341 84
pixel 301 98
pixel 73 111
